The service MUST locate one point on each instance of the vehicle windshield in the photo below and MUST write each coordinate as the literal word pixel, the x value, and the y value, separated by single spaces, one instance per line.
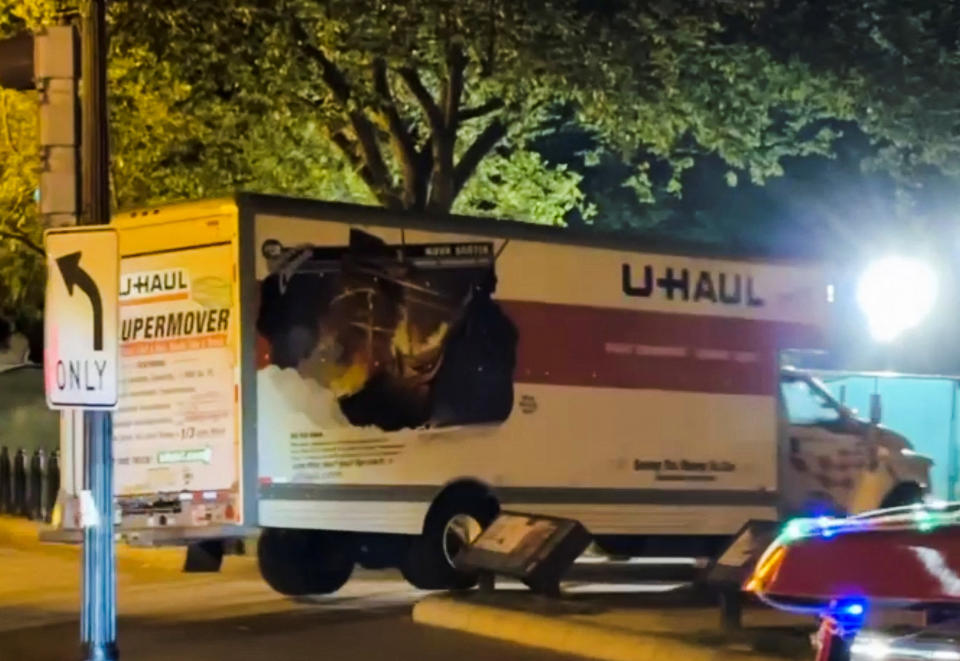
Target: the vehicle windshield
pixel 808 402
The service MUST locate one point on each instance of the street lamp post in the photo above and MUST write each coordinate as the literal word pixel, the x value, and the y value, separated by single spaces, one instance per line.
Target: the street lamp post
pixel 99 615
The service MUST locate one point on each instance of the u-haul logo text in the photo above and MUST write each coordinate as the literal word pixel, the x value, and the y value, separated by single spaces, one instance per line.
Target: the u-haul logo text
pixel 686 285
pixel 154 284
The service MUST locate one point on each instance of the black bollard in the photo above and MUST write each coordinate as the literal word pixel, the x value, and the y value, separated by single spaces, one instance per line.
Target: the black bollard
pixel 38 464
pixel 6 488
pixel 19 483
pixel 51 485
pixel 33 483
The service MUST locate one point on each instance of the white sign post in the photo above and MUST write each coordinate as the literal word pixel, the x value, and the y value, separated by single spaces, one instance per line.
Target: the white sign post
pixel 80 343
pixel 80 372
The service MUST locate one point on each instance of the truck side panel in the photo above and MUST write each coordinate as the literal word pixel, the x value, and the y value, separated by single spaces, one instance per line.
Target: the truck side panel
pixel 177 426
pixel 634 392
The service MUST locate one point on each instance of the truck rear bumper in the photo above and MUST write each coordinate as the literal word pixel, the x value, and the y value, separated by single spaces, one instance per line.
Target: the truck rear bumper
pixel 153 537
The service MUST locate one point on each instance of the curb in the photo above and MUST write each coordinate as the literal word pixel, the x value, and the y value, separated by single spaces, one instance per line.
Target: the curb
pixel 564 635
pixel 24 534
pixel 21 533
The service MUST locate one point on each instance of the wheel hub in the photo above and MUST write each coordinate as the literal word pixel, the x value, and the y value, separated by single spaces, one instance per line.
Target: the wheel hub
pixel 461 530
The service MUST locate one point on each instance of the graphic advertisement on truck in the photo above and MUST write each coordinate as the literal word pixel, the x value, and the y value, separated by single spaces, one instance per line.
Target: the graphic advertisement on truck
pixel 177 425
pixel 372 387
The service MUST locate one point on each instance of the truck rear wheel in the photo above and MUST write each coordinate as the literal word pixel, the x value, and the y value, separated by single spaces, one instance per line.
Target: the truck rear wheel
pixel 301 562
pixel 454 521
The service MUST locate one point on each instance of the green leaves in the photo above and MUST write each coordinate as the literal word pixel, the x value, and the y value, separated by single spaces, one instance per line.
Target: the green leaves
pixel 19 15
pixel 449 105
pixel 897 62
pixel 522 186
pixel 21 262
pixel 644 81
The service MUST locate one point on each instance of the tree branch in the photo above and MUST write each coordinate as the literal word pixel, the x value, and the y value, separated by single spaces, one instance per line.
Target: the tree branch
pixel 329 71
pixel 486 65
pixel 440 189
pixel 424 168
pixel 456 63
pixel 381 190
pixel 403 145
pixel 443 123
pixel 422 94
pixel 24 239
pixel 367 137
pixel 479 111
pixel 362 126
pixel 471 158
pixel 341 140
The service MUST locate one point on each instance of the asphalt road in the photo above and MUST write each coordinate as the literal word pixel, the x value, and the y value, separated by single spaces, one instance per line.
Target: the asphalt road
pixel 332 634
pixel 231 616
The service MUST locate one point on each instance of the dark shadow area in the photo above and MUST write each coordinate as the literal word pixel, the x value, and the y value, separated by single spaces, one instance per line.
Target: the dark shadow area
pixel 330 633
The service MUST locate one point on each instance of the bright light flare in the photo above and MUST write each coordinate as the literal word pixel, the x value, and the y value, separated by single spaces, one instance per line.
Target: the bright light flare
pixel 877 648
pixel 896 294
pixel 871 648
pixel 855 609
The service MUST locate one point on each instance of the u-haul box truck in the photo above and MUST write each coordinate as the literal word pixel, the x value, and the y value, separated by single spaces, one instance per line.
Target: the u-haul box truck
pixel 371 387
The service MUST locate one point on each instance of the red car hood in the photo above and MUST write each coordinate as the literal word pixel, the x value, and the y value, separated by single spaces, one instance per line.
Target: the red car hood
pixel 904 555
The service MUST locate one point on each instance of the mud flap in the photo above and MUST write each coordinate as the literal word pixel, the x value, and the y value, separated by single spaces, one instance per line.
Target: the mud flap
pixel 731 568
pixel 204 557
pixel 735 564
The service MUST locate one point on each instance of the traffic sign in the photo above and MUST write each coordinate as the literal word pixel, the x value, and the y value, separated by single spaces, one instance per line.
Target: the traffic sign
pixel 80 318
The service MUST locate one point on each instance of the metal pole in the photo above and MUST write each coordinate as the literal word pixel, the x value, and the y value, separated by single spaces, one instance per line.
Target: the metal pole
pixel 98 621
pixel 96 186
pixel 953 452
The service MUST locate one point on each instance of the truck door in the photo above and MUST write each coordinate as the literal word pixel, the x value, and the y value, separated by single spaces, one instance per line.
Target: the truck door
pixel 825 450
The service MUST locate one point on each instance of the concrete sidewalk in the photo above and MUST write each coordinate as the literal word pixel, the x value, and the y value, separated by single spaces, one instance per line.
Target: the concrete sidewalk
pixel 40 583
pixel 620 627
pixel 40 586
pixel 23 534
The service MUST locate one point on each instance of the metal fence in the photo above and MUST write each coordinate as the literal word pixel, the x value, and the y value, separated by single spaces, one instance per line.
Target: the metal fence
pixel 29 483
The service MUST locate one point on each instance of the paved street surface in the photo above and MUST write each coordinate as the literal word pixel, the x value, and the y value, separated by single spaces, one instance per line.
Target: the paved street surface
pixel 230 616
pixel 233 615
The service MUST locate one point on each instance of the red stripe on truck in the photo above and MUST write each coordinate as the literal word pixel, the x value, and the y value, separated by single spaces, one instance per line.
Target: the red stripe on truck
pixel 578 345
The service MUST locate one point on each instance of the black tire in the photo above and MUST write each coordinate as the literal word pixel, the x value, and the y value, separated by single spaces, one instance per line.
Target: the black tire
pixel 905 493
pixel 427 565
pixel 301 562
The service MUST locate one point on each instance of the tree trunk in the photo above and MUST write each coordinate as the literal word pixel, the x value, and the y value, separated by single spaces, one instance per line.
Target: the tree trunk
pixel 441 178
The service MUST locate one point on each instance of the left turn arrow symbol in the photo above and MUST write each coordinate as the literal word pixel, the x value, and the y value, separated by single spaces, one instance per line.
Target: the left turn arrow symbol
pixel 73 274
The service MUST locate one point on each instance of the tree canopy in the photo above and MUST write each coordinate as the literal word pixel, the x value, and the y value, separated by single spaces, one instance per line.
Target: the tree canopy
pixel 437 105
pixel 550 111
pixel 893 181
